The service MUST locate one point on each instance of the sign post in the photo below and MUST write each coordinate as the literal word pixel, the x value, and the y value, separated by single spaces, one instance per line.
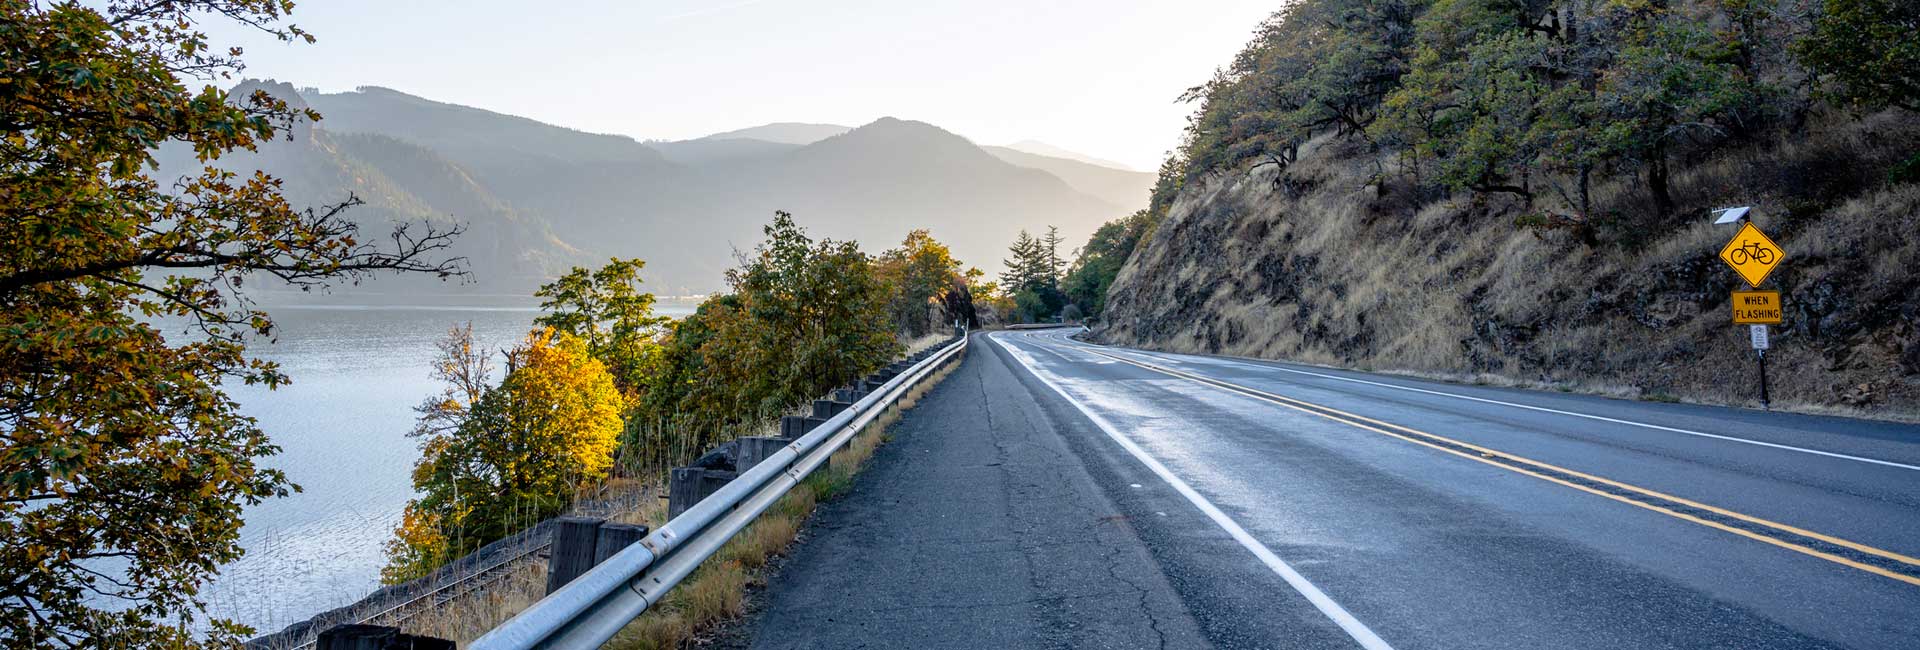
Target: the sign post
pixel 1754 256
pixel 1758 334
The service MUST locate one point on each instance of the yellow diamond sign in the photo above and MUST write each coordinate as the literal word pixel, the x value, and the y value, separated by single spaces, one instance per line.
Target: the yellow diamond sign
pixel 1752 254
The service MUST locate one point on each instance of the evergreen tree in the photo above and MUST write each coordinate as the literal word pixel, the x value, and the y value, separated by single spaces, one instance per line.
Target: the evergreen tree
pixel 1032 277
pixel 1019 272
pixel 1100 260
pixel 1054 263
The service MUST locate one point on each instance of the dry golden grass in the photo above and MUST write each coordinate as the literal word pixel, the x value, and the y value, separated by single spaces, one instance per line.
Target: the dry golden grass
pixel 925 342
pixel 655 630
pixel 717 592
pixel 464 619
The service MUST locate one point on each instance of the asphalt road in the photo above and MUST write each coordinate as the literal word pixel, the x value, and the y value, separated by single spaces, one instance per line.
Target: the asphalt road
pixel 1053 493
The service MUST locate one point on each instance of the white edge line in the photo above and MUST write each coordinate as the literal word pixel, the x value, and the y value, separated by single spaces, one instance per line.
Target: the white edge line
pixel 1321 601
pixel 1543 409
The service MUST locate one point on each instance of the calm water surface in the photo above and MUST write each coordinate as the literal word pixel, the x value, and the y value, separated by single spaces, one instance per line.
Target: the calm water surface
pixel 357 373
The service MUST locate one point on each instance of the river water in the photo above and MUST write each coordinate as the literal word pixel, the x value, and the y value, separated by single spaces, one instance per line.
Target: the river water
pixel 342 426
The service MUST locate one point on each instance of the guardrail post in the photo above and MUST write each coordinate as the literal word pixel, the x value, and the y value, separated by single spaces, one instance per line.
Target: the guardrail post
pixel 574 539
pixel 826 408
pixel 614 538
pixel 688 485
pixel 751 450
pixel 355 636
pixel 792 426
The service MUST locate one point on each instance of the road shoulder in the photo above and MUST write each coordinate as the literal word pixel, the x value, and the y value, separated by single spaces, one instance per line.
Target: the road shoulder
pixel 977 525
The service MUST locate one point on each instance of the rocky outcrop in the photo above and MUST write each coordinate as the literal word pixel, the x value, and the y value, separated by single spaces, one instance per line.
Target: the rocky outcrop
pixel 1329 263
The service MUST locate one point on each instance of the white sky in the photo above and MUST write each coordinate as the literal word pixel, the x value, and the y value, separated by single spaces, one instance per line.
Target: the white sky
pixel 1097 77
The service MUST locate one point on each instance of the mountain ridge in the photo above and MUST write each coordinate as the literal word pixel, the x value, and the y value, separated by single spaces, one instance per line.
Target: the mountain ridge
pixel 798 133
pixel 540 197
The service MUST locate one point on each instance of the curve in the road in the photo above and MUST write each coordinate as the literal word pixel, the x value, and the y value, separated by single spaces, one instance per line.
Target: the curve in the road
pixel 1602 418
pixel 1359 631
pixel 1826 547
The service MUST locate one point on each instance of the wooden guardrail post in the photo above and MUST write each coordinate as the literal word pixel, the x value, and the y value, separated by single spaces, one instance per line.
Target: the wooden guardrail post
pixel 751 450
pixel 572 551
pixel 355 636
pixel 688 485
pixel 582 543
pixel 826 408
pixel 614 538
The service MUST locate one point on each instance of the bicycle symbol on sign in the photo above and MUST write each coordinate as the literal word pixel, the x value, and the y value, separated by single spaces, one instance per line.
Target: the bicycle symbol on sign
pixel 1751 250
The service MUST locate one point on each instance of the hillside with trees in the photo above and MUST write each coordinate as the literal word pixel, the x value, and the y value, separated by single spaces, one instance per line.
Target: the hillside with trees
pixel 1521 188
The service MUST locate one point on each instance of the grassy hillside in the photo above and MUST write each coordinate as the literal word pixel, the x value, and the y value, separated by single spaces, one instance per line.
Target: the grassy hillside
pixel 1520 190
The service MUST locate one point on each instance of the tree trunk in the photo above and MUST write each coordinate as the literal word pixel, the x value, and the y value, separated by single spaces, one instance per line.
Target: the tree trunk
pixel 1657 184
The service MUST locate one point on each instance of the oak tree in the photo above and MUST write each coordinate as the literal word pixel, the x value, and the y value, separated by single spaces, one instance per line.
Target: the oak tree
pixel 919 273
pixel 124 466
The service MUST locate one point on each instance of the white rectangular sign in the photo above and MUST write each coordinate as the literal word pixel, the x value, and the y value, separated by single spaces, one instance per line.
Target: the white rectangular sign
pixel 1759 335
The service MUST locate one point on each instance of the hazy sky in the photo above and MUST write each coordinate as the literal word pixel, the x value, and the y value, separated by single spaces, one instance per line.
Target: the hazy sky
pixel 1098 77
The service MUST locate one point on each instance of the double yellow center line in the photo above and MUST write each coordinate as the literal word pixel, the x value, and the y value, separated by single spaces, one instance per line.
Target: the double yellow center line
pixel 1873 560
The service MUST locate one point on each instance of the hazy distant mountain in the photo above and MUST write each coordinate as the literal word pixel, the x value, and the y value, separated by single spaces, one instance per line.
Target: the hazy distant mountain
pixel 784 132
pixel 1039 148
pixel 1121 187
pixel 540 198
pixel 509 249
pixel 706 151
pixel 876 182
pixel 493 145
pixel 751 142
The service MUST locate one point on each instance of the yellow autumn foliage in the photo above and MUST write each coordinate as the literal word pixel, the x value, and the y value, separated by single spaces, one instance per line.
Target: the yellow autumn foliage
pixel 496 459
pixel 564 402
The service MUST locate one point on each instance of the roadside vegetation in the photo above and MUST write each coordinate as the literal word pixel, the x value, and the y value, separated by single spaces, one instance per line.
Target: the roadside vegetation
pixel 124 465
pixel 1030 289
pixel 1529 108
pixel 1472 188
pixel 718 590
pixel 604 390
pixel 1040 285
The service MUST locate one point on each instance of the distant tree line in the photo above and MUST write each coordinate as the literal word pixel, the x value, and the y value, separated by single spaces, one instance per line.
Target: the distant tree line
pixel 1039 285
pixel 1029 288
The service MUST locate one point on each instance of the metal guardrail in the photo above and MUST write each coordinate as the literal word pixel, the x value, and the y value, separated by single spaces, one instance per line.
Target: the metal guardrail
pixel 595 606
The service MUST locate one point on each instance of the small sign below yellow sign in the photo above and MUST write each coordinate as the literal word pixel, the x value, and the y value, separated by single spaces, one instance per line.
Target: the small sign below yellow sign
pixel 1756 307
pixel 1752 254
